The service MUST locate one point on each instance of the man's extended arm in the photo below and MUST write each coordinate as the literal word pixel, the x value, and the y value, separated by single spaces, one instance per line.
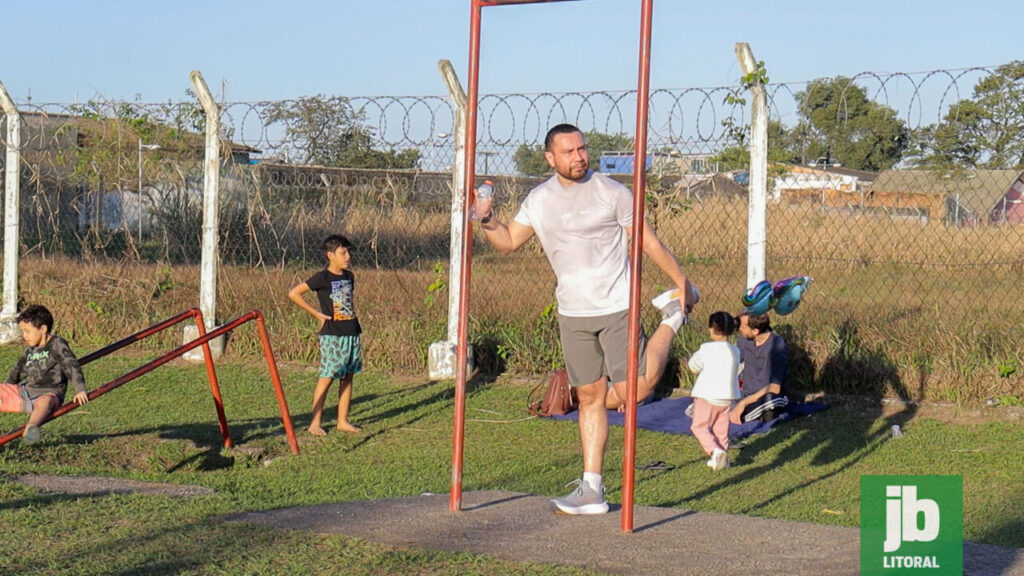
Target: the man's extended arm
pixel 505 238
pixel 664 259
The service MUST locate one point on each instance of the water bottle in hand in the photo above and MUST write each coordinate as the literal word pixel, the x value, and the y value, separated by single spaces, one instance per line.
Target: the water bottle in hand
pixel 485 191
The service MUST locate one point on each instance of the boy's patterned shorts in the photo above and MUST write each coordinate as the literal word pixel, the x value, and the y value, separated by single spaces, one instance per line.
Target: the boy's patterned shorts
pixel 14 398
pixel 340 356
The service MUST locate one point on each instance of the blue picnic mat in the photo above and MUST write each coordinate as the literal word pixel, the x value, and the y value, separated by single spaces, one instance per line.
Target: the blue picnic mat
pixel 669 415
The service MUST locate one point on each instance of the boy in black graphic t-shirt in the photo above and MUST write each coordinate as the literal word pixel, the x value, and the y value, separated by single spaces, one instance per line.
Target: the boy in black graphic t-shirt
pixel 340 350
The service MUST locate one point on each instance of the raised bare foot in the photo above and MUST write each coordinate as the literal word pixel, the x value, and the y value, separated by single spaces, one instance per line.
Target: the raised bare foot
pixel 348 427
pixel 317 431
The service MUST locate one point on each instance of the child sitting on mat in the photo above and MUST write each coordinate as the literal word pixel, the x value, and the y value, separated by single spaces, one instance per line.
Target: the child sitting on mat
pixel 38 381
pixel 716 364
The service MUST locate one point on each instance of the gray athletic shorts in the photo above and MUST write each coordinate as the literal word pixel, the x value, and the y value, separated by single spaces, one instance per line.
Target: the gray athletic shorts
pixel 596 347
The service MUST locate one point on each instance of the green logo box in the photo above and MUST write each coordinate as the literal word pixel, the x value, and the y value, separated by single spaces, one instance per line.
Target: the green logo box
pixel 911 525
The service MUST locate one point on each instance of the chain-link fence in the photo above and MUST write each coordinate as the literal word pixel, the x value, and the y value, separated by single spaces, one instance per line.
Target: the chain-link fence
pixel 899 194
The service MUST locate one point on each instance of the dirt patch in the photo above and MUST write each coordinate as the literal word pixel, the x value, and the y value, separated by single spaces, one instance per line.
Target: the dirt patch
pixel 521 527
pixel 945 412
pixel 101 486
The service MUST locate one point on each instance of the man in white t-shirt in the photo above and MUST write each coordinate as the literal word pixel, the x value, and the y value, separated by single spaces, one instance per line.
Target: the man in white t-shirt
pixel 584 223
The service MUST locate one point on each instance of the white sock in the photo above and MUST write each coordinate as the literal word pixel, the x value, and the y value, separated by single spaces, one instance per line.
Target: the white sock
pixel 675 322
pixel 593 479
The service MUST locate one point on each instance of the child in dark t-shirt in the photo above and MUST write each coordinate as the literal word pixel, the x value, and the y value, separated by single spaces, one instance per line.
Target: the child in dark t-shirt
pixel 38 381
pixel 340 349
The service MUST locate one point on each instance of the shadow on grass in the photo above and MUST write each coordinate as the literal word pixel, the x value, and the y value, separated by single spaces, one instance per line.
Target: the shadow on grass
pixel 399 407
pixel 838 445
pixel 156 547
pixel 208 444
pixel 46 500
pixel 408 409
pixel 1008 533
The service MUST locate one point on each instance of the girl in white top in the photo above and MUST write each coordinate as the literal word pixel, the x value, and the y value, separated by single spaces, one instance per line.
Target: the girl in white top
pixel 716 364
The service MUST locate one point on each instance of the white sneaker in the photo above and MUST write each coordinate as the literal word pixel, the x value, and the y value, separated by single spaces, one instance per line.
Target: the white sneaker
pixel 719 459
pixel 668 301
pixel 583 500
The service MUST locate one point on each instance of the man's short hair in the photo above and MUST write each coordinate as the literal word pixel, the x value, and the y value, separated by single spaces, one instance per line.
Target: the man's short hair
pixel 332 242
pixel 555 131
pixel 37 315
pixel 760 322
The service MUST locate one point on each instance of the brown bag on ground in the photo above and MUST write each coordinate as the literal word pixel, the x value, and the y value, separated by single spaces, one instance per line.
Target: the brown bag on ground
pixel 559 397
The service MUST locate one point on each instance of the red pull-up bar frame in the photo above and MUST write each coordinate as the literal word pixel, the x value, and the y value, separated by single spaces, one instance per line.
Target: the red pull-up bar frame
pixel 203 340
pixel 636 250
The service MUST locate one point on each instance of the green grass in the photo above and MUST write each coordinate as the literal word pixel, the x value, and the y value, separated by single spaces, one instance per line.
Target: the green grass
pixel 162 427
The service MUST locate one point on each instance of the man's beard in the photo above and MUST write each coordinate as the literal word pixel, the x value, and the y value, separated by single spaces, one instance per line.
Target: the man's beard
pixel 575 173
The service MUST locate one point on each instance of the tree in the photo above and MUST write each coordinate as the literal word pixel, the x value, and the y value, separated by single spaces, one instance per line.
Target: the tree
pixel 839 122
pixel 737 157
pixel 328 131
pixel 531 162
pixel 985 131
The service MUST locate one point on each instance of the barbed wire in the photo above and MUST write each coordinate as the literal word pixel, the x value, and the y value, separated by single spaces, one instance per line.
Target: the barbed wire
pixel 687 120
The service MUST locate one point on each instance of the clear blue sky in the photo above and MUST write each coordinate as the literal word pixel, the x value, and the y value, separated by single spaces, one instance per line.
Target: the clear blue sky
pixel 63 50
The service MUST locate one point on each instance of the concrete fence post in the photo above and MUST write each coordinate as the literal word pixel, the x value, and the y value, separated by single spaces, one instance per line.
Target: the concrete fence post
pixel 441 355
pixel 758 194
pixel 211 212
pixel 12 234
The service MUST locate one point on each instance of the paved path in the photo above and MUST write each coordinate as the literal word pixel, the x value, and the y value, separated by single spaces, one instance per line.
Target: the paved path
pixel 665 541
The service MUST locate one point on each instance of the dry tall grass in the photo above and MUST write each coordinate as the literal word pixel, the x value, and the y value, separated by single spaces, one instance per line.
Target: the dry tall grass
pixel 897 307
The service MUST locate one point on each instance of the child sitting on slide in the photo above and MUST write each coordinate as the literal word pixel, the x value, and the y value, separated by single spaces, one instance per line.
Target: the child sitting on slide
pixel 38 381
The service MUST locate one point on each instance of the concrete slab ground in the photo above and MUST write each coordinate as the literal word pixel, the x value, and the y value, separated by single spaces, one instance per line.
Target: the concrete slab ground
pixel 664 541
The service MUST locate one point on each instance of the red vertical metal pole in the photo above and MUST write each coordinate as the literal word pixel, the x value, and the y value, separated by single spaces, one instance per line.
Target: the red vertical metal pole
pixel 282 404
pixel 636 252
pixel 211 375
pixel 455 498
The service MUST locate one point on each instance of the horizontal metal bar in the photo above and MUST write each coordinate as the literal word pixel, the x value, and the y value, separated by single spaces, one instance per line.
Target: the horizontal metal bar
pixel 508 2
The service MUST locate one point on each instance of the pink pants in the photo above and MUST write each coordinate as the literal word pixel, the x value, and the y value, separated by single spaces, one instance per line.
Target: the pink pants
pixel 710 425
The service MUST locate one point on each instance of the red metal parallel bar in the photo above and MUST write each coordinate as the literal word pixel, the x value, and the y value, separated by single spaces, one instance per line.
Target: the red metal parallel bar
pixel 140 335
pixel 510 2
pixel 114 347
pixel 203 340
pixel 211 373
pixel 461 349
pixel 123 379
pixel 636 254
pixel 211 376
pixel 282 404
